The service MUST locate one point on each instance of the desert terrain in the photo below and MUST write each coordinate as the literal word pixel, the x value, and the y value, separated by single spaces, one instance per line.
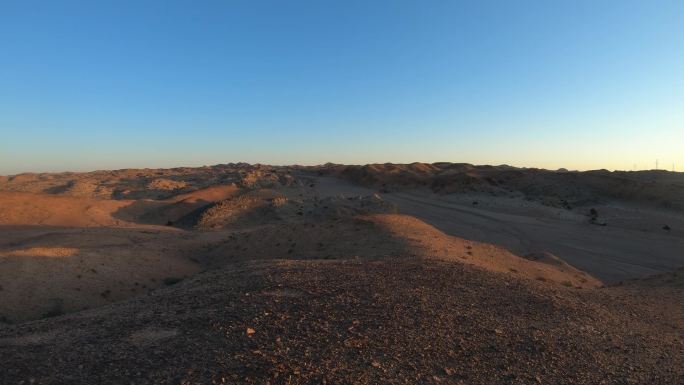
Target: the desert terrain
pixel 387 273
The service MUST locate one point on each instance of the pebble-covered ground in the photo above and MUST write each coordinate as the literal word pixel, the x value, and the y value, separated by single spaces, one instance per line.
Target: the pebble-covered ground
pixel 360 321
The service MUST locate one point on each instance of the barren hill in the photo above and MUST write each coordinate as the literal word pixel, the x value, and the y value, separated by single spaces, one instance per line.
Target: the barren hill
pixel 19 208
pixel 419 273
pixel 558 188
pixel 386 236
pixel 393 320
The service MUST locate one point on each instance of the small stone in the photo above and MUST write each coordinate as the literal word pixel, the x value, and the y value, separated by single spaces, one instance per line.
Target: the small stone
pixel 250 331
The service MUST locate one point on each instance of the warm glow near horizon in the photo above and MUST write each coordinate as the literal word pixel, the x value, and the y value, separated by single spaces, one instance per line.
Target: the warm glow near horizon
pixel 577 85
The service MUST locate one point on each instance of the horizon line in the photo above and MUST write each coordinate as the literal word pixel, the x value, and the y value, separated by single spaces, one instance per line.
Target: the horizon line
pixel 312 165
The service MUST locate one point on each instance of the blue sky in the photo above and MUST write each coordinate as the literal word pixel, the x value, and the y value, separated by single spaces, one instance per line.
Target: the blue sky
pixel 111 84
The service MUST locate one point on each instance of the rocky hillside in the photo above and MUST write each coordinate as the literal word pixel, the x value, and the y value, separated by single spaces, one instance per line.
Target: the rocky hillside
pixel 559 188
pixel 390 320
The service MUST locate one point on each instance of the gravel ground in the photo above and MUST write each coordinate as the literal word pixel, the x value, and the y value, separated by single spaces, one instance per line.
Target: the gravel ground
pixel 359 321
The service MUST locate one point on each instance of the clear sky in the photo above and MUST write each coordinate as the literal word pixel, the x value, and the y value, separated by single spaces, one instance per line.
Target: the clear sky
pixel 111 84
